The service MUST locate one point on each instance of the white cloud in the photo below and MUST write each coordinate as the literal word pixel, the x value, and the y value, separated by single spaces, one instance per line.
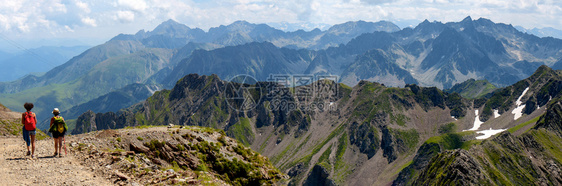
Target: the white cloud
pixel 54 6
pixel 68 28
pixel 83 7
pixel 125 16
pixel 89 21
pixel 107 18
pixel 136 5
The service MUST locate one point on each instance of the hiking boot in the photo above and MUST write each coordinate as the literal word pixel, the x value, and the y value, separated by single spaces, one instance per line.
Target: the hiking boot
pixel 28 153
pixel 32 156
pixel 56 154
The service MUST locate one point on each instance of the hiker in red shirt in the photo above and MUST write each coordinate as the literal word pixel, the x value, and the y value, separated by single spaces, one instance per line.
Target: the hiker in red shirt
pixel 29 122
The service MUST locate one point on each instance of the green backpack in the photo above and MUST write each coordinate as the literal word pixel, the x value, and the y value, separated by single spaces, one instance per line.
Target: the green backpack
pixel 58 125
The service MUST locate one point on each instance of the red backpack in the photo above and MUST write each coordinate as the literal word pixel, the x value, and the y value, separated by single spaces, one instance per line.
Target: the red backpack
pixel 29 121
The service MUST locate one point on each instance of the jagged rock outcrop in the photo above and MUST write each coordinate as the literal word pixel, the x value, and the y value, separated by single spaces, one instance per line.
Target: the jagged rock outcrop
pixel 365 137
pixel 388 145
pixel 319 176
pixel 396 141
pixel 424 155
pixel 90 121
pixel 456 167
pixel 552 119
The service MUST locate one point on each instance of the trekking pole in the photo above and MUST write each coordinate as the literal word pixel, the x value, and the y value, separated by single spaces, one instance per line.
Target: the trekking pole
pixel 64 142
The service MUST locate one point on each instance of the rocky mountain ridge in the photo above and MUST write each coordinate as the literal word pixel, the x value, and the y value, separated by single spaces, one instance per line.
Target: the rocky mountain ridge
pixel 515 156
pixel 369 129
pixel 532 157
pixel 199 100
pixel 361 122
pixel 173 155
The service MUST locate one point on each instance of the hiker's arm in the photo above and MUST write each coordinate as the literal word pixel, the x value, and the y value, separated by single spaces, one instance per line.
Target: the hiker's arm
pixel 23 118
pixel 51 124
pixel 35 118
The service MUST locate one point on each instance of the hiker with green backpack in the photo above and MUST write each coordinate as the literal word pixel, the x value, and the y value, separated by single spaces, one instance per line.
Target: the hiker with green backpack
pixel 58 128
pixel 29 121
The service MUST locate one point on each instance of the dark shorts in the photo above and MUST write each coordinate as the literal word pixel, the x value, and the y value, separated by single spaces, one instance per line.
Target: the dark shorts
pixel 58 134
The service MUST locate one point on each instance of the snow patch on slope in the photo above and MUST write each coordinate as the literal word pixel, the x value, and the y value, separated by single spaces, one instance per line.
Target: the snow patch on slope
pixel 477 122
pixel 496 113
pixel 488 133
pixel 518 111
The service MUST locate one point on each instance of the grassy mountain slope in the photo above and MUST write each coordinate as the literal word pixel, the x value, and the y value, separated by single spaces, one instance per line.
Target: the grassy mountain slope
pixel 102 78
pixel 75 67
pixel 473 88
pixel 526 153
pixel 531 158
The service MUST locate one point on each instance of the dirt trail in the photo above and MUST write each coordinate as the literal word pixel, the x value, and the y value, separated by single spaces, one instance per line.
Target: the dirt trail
pixel 18 169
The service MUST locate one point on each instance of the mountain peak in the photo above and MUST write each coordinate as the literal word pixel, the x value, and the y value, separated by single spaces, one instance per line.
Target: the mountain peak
pixel 484 20
pixel 170 23
pixel 170 28
pixel 467 19
pixel 238 26
pixel 363 27
pixel 543 69
pixel 241 22
pixel 543 72
pixel 425 24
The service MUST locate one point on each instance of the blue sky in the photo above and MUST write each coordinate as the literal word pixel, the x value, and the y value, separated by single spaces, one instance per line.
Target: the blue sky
pixel 95 21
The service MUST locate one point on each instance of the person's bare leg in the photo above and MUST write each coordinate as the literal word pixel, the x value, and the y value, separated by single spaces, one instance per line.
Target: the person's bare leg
pixel 32 145
pixel 60 146
pixel 56 145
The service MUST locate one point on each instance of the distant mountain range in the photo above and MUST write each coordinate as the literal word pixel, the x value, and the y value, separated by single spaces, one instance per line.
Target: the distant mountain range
pixel 171 34
pixel 431 54
pixel 149 57
pixel 36 60
pixel 542 32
